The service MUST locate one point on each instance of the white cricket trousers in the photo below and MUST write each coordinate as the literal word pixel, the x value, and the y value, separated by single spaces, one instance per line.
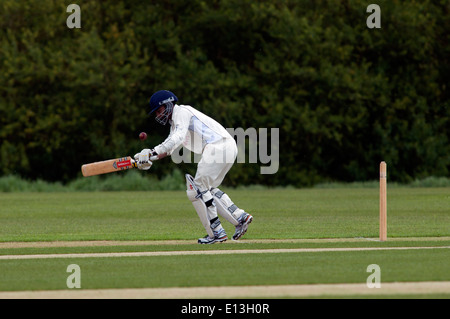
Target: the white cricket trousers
pixel 217 159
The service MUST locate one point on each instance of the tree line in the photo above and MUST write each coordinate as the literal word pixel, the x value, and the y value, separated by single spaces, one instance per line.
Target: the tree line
pixel 343 96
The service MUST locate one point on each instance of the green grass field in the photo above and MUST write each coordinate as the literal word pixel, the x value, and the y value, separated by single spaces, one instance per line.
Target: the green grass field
pixel 165 221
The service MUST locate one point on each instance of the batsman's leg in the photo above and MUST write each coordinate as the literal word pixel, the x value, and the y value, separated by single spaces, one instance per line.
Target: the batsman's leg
pixel 227 209
pixel 203 203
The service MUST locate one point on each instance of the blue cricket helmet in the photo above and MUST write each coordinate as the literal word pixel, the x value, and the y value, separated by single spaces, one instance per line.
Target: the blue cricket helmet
pixel 160 98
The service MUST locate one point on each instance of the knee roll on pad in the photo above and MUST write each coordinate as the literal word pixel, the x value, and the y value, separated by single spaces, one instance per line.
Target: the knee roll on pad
pixel 192 188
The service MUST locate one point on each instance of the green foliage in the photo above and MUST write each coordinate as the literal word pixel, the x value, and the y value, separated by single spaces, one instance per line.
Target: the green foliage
pixel 131 181
pixel 344 96
pixel 13 183
pixel 126 181
pixel 140 181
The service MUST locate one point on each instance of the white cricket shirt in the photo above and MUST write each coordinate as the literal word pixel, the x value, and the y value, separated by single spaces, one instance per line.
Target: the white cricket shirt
pixel 193 129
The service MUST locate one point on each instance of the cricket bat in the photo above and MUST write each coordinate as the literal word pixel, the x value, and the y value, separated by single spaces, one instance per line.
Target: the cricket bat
pixel 108 166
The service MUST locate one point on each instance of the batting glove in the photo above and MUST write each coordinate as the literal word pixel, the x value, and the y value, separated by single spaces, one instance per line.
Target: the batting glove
pixel 143 159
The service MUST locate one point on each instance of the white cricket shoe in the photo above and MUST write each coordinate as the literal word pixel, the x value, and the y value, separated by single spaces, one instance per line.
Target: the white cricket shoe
pixel 219 236
pixel 244 220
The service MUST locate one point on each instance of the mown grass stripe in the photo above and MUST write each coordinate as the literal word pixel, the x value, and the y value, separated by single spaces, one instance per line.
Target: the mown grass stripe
pixel 208 252
pixel 105 243
pixel 265 291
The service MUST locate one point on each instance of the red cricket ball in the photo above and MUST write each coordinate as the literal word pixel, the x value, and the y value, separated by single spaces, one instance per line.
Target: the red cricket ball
pixel 143 136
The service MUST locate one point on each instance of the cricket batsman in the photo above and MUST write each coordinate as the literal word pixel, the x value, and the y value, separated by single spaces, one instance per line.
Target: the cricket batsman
pixel 203 135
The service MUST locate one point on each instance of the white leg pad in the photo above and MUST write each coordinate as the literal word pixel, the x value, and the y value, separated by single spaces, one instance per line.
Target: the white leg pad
pixel 206 214
pixel 225 206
